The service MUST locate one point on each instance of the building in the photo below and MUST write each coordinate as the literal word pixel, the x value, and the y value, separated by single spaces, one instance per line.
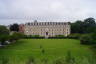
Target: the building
pixel 21 28
pixel 47 29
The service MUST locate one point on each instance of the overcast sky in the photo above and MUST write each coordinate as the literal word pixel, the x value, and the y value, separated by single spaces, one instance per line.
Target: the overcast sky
pixel 21 11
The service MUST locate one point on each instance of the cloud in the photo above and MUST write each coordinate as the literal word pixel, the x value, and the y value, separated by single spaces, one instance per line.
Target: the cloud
pixel 68 10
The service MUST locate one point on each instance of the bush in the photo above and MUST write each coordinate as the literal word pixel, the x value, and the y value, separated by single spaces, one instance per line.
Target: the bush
pixel 4 38
pixel 16 36
pixel 33 36
pixel 3 30
pixel 75 36
pixel 59 36
pixel 86 39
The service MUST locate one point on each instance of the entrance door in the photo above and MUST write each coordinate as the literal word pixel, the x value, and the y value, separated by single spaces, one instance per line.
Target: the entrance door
pixel 46 33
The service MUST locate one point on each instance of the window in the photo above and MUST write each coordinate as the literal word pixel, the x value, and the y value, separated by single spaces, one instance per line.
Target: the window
pixel 31 23
pixel 28 23
pixel 48 23
pixel 58 23
pixel 36 23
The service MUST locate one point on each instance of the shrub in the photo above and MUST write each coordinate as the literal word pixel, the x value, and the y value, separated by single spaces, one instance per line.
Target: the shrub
pixel 86 39
pixel 75 35
pixel 4 38
pixel 59 36
pixel 16 36
pixel 3 30
pixel 33 36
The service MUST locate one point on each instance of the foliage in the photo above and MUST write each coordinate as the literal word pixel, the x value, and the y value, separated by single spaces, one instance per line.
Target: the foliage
pixel 59 36
pixel 75 35
pixel 4 34
pixel 3 30
pixel 89 25
pixel 77 27
pixel 4 38
pixel 86 39
pixel 14 27
pixel 94 35
pixel 33 37
pixel 86 26
pixel 16 36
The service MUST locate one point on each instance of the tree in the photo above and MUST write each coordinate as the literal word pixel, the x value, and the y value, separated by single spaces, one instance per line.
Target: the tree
pixel 4 34
pixel 3 30
pixel 77 27
pixel 89 25
pixel 89 21
pixel 86 26
pixel 4 38
pixel 14 27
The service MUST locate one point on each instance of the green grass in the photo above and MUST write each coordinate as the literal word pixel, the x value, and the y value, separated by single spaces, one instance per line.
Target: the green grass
pixel 22 50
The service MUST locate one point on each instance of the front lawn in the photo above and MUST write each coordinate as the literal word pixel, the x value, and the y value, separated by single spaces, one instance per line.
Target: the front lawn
pixel 41 50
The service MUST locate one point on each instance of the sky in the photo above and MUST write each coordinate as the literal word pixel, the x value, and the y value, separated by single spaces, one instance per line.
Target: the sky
pixel 22 11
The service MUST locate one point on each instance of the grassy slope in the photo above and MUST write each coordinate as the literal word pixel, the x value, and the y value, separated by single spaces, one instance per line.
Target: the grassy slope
pixel 54 49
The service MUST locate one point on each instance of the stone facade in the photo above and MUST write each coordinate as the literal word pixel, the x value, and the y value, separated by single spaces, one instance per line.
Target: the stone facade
pixel 21 28
pixel 47 29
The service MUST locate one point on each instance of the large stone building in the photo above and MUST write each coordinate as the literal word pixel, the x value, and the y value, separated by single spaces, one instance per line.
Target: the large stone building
pixel 47 29
pixel 21 28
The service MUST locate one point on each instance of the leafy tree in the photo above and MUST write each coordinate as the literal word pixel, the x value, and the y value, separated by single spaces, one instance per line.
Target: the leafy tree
pixel 14 27
pixel 3 30
pixel 89 25
pixel 90 21
pixel 77 27
pixel 86 26
pixel 4 34
pixel 4 38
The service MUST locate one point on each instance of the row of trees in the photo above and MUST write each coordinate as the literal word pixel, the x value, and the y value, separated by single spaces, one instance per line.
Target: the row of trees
pixel 84 30
pixel 83 27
